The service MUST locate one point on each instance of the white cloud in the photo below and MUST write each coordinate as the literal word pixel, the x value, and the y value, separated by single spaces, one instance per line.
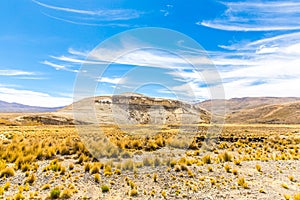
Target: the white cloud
pixel 255 68
pixel 91 23
pixel 32 98
pixel 58 67
pixel 15 73
pixel 257 16
pixel 104 15
pixel 110 80
pixel 277 88
pixel 148 58
pixel 265 67
pixel 75 60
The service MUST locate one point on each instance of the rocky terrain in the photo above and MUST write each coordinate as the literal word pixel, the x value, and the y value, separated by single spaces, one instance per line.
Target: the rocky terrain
pixel 50 162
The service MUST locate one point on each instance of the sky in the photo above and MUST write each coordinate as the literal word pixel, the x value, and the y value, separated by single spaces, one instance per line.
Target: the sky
pixel 253 45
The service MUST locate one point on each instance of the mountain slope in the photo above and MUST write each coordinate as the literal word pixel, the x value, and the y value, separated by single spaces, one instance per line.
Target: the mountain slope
pixel 238 104
pixel 288 113
pixel 268 110
pixel 15 107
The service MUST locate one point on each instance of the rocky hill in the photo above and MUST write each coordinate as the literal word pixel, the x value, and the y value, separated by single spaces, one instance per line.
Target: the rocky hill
pixel 140 109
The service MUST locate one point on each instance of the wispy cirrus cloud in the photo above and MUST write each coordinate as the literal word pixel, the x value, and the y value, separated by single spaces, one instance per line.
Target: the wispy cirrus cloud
pixel 58 67
pixel 105 15
pixel 252 68
pixel 85 23
pixel 264 67
pixel 95 17
pixel 257 16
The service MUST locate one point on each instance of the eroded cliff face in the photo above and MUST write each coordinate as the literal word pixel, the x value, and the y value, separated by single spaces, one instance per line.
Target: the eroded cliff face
pixel 139 109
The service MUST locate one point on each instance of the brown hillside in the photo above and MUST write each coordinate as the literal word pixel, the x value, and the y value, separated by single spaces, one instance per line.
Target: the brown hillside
pixel 287 113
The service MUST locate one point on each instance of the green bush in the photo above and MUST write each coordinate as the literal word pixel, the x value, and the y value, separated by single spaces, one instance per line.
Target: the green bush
pixel 54 194
pixel 104 188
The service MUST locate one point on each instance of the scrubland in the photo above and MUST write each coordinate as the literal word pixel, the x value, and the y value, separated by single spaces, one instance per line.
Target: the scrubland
pixel 243 162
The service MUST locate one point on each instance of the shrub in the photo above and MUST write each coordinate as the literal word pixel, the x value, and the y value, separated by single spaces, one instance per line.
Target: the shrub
pixel 235 171
pixel 107 170
pixel 209 168
pixel 19 196
pixel 25 167
pixel 104 188
pixel 242 183
pixel 66 194
pixel 287 196
pixel 7 172
pixel 226 157
pixel 71 166
pixel 297 196
pixel 258 168
pixel 177 168
pixel 237 162
pixel 157 162
pixel 6 186
pixel 173 163
pixel 212 181
pixel 227 168
pixel 292 178
pixel 207 159
pixel 97 178
pixel 118 172
pixel 261 190
pixel 190 173
pixel 184 167
pixel 128 165
pixel 164 194
pixel 63 170
pixel 155 177
pixel 55 193
pixel 285 186
pixel 30 179
pixel 133 193
pixel 95 169
pixel 46 186
pixel 87 167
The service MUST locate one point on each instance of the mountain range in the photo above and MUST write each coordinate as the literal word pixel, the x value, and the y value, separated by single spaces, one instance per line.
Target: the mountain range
pixel 140 109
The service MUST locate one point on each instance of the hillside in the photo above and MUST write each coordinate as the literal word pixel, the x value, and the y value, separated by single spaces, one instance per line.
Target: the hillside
pixel 269 110
pixel 6 107
pixel 287 113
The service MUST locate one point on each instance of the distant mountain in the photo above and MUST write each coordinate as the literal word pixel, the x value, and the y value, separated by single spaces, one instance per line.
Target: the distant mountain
pixel 16 108
pixel 266 110
pixel 285 113
pixel 237 104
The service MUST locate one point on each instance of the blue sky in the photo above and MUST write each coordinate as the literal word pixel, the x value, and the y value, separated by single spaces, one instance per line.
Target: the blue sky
pixel 255 45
